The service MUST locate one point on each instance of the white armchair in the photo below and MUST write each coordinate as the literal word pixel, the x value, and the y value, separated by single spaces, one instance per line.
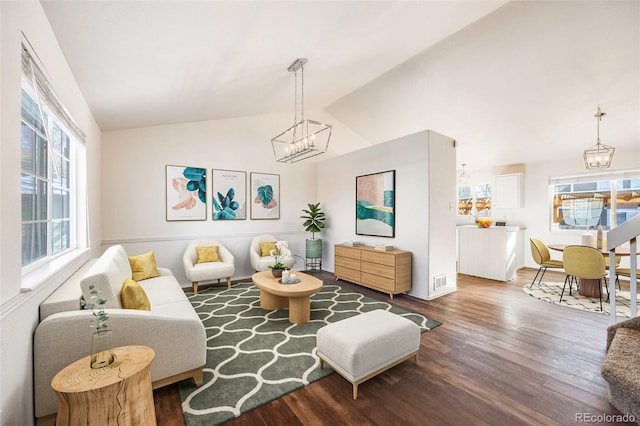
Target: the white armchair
pixel 198 272
pixel 262 263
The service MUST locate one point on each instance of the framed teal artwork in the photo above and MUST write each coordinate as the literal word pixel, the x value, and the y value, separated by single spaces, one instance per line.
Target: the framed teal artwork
pixel 265 196
pixel 375 204
pixel 186 193
pixel 228 194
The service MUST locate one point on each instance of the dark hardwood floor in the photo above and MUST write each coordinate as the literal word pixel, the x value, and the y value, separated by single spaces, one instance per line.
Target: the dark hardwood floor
pixel 500 358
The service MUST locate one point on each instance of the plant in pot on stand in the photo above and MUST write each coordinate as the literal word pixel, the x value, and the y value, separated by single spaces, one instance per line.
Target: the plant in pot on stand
pixel 314 222
pixel 101 346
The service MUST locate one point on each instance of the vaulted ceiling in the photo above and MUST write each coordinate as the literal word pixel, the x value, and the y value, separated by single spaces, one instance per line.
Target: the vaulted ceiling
pixel 145 63
pixel 519 86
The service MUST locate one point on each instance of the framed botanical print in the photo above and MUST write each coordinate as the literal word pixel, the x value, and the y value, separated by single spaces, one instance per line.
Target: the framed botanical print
pixel 265 196
pixel 228 194
pixel 186 193
pixel 375 204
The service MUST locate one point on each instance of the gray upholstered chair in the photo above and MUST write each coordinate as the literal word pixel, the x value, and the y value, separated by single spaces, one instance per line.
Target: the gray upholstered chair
pixel 262 263
pixel 207 271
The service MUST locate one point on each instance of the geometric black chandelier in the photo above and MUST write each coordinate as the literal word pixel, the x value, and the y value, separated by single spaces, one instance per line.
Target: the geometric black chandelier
pixel 306 138
pixel 598 156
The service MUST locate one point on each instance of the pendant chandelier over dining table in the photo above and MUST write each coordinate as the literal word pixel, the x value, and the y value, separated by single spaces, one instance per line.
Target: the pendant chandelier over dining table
pixel 462 177
pixel 598 156
pixel 305 138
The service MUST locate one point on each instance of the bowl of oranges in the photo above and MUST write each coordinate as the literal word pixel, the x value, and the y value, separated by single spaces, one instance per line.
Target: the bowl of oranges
pixel 483 223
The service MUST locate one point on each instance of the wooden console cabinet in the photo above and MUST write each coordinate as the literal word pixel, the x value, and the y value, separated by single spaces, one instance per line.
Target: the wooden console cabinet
pixel 386 271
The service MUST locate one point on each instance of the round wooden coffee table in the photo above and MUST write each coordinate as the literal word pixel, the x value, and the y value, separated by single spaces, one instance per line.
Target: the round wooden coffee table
pixel 295 297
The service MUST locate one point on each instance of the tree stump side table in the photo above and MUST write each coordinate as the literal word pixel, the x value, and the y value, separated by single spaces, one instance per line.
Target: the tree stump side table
pixel 117 394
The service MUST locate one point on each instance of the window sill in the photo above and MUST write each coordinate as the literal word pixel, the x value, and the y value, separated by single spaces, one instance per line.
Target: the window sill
pixel 56 268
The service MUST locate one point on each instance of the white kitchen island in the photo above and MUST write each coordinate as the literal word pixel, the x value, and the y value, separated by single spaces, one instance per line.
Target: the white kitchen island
pixel 496 252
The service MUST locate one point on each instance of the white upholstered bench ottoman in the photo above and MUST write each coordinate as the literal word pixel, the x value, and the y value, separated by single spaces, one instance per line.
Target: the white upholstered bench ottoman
pixel 361 347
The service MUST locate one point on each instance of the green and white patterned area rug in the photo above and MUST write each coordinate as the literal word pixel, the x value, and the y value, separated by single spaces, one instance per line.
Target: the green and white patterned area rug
pixel 550 292
pixel 255 356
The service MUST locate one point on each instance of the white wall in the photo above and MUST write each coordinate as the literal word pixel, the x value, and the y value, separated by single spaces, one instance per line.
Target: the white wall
pixel 19 311
pixel 133 177
pixel 442 214
pixel 409 157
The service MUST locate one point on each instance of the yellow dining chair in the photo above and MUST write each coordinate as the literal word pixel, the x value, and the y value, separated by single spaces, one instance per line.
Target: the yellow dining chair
pixel 583 262
pixel 606 263
pixel 626 272
pixel 542 257
pixel 606 260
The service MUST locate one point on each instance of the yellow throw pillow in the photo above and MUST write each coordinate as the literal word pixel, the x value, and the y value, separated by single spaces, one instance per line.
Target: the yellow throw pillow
pixel 266 247
pixel 143 266
pixel 207 254
pixel 133 296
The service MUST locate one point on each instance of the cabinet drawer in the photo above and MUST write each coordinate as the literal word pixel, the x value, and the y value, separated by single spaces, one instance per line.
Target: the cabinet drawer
pixel 382 283
pixel 348 262
pixel 381 258
pixel 353 253
pixel 347 274
pixel 378 269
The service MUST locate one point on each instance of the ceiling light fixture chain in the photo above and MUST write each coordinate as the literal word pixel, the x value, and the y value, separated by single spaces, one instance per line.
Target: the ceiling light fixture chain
pixel 295 102
pixel 306 138
pixel 599 116
pixel 302 93
pixel 463 177
pixel 598 156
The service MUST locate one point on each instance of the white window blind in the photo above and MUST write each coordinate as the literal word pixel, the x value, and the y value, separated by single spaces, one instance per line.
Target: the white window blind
pixel 594 177
pixel 45 93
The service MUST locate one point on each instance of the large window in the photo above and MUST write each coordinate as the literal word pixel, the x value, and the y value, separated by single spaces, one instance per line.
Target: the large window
pixel 49 170
pixel 589 201
pixel 474 199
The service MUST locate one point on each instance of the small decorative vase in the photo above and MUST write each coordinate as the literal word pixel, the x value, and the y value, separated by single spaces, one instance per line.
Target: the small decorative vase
pixel 276 272
pixel 101 349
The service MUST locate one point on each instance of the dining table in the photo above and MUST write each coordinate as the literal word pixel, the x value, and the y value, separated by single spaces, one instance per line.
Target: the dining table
pixel 589 288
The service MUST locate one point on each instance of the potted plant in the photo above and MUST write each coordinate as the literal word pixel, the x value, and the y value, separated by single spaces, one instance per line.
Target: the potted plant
pixel 101 346
pixel 314 222
pixel 278 266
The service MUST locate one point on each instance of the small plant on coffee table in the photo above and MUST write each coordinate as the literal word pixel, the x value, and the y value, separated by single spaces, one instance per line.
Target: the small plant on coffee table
pixel 278 266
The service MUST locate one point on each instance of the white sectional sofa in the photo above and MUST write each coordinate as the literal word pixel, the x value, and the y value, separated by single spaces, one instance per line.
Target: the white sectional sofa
pixel 171 328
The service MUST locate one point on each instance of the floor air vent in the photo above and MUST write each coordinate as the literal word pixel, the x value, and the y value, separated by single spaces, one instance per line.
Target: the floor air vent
pixel 439 281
